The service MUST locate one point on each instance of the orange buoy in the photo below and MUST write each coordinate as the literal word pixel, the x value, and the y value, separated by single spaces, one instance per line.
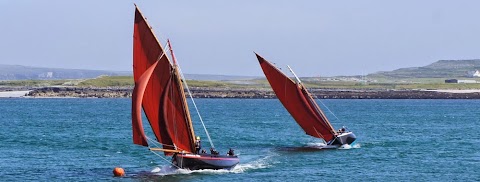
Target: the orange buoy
pixel 118 172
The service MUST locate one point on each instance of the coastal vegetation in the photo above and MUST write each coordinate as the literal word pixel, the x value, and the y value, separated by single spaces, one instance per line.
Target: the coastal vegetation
pixel 428 77
pixel 439 69
pixel 127 81
pixel 108 81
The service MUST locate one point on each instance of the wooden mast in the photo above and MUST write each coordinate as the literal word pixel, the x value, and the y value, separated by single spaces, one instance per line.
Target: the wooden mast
pixel 312 100
pixel 182 93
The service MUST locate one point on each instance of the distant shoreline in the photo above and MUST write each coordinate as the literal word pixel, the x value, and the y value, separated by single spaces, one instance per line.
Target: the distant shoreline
pixel 250 93
pixel 16 93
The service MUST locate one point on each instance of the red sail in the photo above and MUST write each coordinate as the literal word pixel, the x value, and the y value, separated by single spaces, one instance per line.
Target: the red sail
pixel 177 114
pixel 298 102
pixel 162 90
pixel 139 137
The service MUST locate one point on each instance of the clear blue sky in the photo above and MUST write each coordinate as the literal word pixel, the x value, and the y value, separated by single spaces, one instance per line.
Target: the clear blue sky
pixel 316 38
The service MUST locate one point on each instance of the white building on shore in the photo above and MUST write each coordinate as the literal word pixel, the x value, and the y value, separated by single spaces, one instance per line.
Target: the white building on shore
pixel 476 74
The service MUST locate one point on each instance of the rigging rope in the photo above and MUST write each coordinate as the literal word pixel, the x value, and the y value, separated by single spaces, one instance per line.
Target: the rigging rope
pixel 195 105
pixel 163 158
pixel 190 94
pixel 329 110
pixel 298 79
pixel 155 143
pixel 193 101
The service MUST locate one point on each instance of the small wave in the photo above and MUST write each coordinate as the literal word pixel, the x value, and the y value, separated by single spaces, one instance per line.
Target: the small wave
pixel 168 170
pixel 345 147
pixel 256 164
pixel 325 146
pixel 317 145
pixel 321 145
pixel 356 146
pixel 157 171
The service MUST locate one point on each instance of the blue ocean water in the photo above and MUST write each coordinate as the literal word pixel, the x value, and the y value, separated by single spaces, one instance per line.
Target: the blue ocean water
pixel 398 140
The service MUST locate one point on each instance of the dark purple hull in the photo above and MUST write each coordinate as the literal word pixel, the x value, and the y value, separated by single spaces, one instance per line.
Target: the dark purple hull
pixel 204 161
pixel 344 138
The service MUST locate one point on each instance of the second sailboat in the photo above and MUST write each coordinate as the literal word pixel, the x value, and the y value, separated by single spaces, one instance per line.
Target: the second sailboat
pixel 299 103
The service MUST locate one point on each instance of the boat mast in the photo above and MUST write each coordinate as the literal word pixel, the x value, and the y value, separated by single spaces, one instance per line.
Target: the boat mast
pixel 316 106
pixel 298 79
pixel 189 93
pixel 171 53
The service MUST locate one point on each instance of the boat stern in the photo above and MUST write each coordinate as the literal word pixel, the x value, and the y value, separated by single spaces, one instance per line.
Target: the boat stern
pixel 343 138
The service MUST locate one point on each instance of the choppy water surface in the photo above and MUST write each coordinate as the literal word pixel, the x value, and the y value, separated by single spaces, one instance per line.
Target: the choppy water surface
pixel 84 139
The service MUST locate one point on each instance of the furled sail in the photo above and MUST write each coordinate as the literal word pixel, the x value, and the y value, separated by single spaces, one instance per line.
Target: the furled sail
pixel 160 93
pixel 298 102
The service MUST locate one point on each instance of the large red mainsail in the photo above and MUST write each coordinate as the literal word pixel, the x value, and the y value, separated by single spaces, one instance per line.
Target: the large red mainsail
pixel 298 102
pixel 159 92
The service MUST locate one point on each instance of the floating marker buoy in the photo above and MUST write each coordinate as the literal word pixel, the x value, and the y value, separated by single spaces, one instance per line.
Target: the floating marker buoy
pixel 118 171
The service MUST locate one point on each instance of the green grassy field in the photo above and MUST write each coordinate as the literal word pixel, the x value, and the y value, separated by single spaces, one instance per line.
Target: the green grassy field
pixel 127 81
pixel 108 81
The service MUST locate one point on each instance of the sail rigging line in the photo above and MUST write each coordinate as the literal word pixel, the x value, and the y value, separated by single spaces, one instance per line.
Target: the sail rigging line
pixel 189 93
pixel 322 115
pixel 156 144
pixel 173 74
pixel 305 90
pixel 298 79
pixel 319 134
pixel 164 158
pixel 195 105
pixel 329 110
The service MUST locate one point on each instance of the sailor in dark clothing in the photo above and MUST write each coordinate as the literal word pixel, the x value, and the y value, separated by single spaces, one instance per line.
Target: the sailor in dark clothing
pixel 230 152
pixel 213 151
pixel 341 130
pixel 198 145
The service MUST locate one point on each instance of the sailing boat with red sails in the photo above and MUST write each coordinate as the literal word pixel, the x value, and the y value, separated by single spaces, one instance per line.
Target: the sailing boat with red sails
pixel 299 103
pixel 159 91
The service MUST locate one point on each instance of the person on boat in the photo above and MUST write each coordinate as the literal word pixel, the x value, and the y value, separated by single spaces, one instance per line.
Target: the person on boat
pixel 230 152
pixel 204 151
pixel 174 161
pixel 198 145
pixel 213 151
pixel 342 130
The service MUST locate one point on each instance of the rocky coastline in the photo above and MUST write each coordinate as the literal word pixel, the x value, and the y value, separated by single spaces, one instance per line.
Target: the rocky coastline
pixel 251 93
